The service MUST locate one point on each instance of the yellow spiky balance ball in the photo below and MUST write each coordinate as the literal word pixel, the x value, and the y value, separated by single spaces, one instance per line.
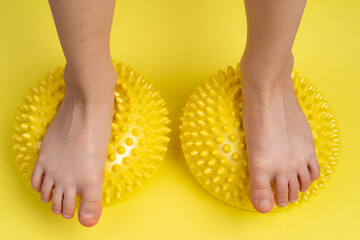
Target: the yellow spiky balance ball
pixel 139 130
pixel 213 138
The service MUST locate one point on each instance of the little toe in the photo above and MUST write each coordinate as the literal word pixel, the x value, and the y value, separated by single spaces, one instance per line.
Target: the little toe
pixel 69 203
pixel 46 189
pixel 304 179
pixel 57 199
pixel 91 205
pixel 293 189
pixel 314 170
pixel 261 193
pixel 282 191
pixel 37 177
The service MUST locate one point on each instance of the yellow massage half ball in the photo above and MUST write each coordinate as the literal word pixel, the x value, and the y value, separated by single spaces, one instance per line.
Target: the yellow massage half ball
pixel 213 139
pixel 139 130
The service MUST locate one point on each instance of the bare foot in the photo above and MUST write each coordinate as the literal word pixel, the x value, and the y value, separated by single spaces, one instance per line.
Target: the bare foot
pixel 73 152
pixel 279 140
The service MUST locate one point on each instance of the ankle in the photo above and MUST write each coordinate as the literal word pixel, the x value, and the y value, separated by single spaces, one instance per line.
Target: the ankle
pixel 90 83
pixel 89 61
pixel 79 101
pixel 260 73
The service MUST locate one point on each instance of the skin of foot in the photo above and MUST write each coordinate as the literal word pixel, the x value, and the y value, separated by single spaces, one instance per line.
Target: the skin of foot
pixel 73 151
pixel 279 140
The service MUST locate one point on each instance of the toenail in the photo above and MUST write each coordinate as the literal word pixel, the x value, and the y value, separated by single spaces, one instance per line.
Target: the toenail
pixel 56 212
pixel 88 215
pixel 283 204
pixel 293 200
pixel 66 216
pixel 262 202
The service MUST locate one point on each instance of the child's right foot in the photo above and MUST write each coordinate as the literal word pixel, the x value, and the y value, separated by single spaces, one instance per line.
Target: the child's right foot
pixel 73 152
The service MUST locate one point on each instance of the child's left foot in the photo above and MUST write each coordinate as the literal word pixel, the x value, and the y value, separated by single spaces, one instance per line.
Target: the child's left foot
pixel 279 141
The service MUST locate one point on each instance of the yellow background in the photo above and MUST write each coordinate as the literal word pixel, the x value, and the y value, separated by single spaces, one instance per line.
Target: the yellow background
pixel 177 44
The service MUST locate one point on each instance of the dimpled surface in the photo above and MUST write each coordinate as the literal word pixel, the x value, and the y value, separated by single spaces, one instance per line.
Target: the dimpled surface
pixel 213 139
pixel 139 130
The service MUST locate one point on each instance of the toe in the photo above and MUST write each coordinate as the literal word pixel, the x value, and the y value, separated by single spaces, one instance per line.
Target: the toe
pixel 261 193
pixel 293 189
pixel 57 199
pixel 91 205
pixel 69 203
pixel 304 179
pixel 46 189
pixel 282 191
pixel 314 170
pixel 37 177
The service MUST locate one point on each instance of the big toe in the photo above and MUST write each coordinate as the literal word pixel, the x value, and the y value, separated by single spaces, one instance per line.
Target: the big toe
pixel 90 206
pixel 261 193
pixel 37 177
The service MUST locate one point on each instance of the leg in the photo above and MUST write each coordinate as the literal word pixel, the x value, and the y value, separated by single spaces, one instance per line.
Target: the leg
pixel 73 152
pixel 279 139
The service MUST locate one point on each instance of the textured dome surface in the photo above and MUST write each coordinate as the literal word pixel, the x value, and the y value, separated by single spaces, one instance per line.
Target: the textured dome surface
pixel 139 130
pixel 213 138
